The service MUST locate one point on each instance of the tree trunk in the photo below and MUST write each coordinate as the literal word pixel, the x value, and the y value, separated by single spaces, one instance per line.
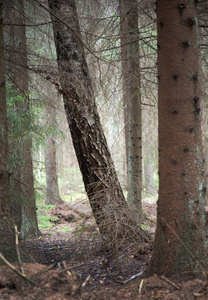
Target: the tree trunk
pixel 131 86
pixel 18 66
pixel 7 236
pixel 124 40
pixel 29 216
pixel 179 243
pixel 52 190
pixel 100 179
pixel 149 176
pixel 52 106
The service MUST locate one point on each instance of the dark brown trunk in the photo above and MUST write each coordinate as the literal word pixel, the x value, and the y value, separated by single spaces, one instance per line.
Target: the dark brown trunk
pixel 101 183
pixel 18 65
pixel 179 243
pixel 7 235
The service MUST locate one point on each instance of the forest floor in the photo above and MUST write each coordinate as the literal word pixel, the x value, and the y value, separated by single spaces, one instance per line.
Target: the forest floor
pixel 70 264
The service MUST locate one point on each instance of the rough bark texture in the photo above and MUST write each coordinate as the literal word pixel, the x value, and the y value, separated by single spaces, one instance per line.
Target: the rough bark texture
pixel 101 183
pixel 19 74
pixel 7 236
pixel 131 86
pixel 179 242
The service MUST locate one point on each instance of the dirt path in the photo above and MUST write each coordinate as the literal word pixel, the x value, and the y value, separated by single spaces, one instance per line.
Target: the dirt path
pixel 72 265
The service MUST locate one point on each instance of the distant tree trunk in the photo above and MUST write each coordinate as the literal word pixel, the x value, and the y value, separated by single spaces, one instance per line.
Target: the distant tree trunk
pixel 29 216
pixel 179 242
pixel 131 75
pixel 101 183
pixel 124 40
pixel 52 190
pixel 149 176
pixel 20 79
pixel 51 108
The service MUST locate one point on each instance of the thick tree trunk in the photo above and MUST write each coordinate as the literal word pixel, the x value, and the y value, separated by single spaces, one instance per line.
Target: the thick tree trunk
pixel 132 99
pixel 19 73
pixel 179 243
pixel 7 235
pixel 101 183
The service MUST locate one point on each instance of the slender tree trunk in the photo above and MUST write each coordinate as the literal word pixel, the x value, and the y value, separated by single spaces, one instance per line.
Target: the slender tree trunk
pixel 101 183
pixel 51 109
pixel 149 176
pixel 29 216
pixel 131 86
pixel 124 41
pixel 52 190
pixel 179 243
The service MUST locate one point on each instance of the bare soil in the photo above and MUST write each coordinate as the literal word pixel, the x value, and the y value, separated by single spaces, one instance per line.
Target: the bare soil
pixel 72 265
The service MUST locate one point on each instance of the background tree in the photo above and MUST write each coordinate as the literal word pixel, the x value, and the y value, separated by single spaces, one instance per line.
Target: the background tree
pixel 132 101
pixel 180 219
pixel 52 188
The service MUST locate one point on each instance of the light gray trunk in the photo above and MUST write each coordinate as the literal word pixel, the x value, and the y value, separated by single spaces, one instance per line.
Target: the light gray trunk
pixel 52 189
pixel 149 176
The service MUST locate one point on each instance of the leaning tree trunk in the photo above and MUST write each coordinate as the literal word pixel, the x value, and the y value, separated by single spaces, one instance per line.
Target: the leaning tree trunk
pixel 179 242
pixel 100 179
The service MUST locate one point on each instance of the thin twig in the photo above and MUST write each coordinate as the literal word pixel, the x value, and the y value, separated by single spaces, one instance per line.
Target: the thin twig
pixel 15 270
pixel 86 280
pixel 170 282
pixel 133 277
pixel 17 249
pixel 140 286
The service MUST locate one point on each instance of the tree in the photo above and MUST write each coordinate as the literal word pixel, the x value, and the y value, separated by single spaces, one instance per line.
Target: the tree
pixel 100 179
pixel 7 236
pixel 52 189
pixel 24 164
pixel 132 101
pixel 149 176
pixel 179 244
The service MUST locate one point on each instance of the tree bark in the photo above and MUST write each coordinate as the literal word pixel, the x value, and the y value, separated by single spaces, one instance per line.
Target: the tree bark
pixel 18 64
pixel 132 105
pixel 7 234
pixel 149 176
pixel 52 190
pixel 179 243
pixel 100 179
pixel 124 40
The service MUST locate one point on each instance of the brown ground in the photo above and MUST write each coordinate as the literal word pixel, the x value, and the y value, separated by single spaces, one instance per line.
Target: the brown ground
pixel 72 265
